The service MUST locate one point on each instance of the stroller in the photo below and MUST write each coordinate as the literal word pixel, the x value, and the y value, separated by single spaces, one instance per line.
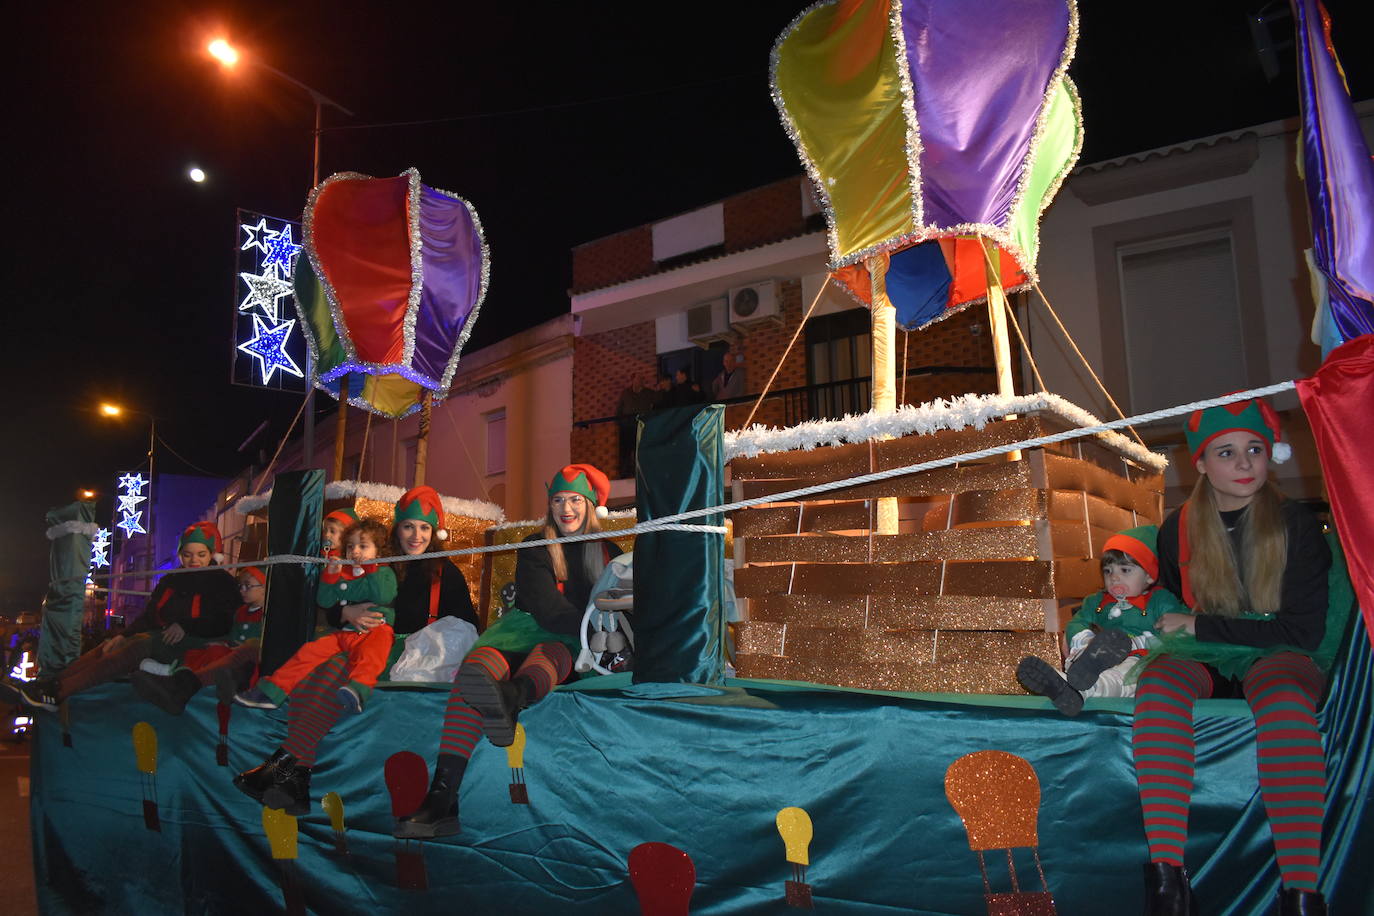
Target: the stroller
pixel 607 637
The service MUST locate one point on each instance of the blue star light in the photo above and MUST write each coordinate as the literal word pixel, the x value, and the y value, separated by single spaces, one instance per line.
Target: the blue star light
pixel 129 503
pixel 255 236
pixel 281 253
pixel 264 291
pixel 268 346
pixel 130 524
pixel 100 549
pixel 132 483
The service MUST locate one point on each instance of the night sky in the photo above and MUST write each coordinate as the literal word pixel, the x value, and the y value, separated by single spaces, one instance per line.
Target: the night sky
pixel 560 122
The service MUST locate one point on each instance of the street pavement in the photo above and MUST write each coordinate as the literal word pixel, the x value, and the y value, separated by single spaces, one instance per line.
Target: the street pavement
pixel 16 855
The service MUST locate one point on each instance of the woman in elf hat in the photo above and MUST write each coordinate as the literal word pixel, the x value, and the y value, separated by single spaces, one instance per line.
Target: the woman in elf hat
pixel 1253 567
pixel 186 611
pixel 520 659
pixel 426 590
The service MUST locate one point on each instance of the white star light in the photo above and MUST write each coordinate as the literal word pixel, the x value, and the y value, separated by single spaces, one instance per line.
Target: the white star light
pixel 268 346
pixel 129 523
pixel 133 483
pixel 264 290
pixel 129 503
pixel 100 549
pixel 255 236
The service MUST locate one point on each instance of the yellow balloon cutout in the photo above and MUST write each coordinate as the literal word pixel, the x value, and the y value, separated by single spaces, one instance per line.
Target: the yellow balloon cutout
pixel 795 826
pixel 515 753
pixel 280 828
pixel 145 748
pixel 333 806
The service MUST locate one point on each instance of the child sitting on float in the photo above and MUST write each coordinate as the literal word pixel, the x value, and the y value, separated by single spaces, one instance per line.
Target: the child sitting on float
pixel 366 642
pixel 187 610
pixel 226 663
pixel 1112 630
pixel 332 529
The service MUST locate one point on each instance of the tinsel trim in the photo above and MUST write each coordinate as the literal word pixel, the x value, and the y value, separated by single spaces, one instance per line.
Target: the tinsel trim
pixel 913 126
pixel 481 294
pixel 382 492
pixel 62 529
pixel 975 410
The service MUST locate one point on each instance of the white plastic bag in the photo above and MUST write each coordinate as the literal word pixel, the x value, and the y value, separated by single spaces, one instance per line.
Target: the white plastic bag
pixel 434 653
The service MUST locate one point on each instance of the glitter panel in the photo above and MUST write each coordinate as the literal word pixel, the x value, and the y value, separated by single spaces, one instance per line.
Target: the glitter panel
pixel 766 520
pixel 1070 505
pixel 1070 474
pixel 920 612
pixel 1009 543
pixel 978 506
pixel 998 798
pixel 994 476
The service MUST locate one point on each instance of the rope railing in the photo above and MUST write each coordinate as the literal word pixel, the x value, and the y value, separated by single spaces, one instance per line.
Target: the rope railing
pixel 682 521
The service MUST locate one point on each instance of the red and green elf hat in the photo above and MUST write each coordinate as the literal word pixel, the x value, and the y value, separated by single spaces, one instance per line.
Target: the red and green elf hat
pixel 1254 416
pixel 255 572
pixel 202 533
pixel 1138 544
pixel 586 480
pixel 346 517
pixel 422 504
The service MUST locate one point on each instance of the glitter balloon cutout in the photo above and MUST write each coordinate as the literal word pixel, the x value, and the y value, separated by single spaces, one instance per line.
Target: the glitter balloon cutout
pixel 997 795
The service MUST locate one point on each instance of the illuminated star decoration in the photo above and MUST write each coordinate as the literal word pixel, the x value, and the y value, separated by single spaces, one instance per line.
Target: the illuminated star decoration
pixel 129 503
pixel 281 253
pixel 132 483
pixel 264 291
pixel 100 549
pixel 130 524
pixel 269 347
pixel 255 236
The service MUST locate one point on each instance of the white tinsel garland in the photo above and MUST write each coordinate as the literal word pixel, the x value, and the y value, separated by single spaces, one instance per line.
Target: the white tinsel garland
pixel 969 410
pixel 62 529
pixel 382 492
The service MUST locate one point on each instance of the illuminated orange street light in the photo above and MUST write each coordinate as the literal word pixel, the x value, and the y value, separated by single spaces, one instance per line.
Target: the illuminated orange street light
pixel 86 494
pixel 111 410
pixel 223 52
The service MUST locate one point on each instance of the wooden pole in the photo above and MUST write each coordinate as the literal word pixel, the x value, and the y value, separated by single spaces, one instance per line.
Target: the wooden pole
pixel 884 397
pixel 341 429
pixel 422 438
pixel 997 319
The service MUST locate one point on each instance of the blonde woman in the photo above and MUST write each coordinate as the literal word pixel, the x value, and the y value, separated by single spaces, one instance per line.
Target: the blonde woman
pixel 1252 566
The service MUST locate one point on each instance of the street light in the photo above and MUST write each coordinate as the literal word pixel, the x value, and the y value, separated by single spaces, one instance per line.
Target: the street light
pixel 196 174
pixel 108 409
pixel 228 56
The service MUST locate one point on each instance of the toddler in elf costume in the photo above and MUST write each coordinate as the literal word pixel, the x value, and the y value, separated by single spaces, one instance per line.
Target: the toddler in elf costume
pixel 332 530
pixel 1113 629
pixel 222 663
pixel 348 582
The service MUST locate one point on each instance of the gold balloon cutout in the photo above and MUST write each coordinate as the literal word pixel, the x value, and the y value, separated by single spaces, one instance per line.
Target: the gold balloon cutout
pixel 145 748
pixel 997 795
pixel 794 824
pixel 515 759
pixel 281 831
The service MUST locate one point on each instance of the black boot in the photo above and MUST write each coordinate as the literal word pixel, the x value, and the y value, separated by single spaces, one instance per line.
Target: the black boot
pixel 1167 892
pixel 497 702
pixel 1036 675
pixel 258 780
pixel 291 791
pixel 438 813
pixel 170 694
pixel 1295 902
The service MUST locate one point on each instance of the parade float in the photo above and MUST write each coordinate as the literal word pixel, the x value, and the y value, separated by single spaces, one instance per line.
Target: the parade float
pixel 873 755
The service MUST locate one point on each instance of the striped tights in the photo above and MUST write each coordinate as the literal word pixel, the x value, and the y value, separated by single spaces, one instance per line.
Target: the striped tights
pixel 1282 691
pixel 546 665
pixel 314 709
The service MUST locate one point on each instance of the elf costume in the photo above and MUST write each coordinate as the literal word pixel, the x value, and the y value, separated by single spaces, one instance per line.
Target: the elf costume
pixel 200 602
pixel 227 662
pixel 1277 662
pixel 520 658
pixel 344 518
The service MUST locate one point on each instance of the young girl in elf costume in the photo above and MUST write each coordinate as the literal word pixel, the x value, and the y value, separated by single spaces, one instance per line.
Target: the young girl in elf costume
pixel 187 610
pixel 1253 567
pixel 232 660
pixel 332 530
pixel 1112 630
pixel 367 642
pixel 520 659
pixel 428 589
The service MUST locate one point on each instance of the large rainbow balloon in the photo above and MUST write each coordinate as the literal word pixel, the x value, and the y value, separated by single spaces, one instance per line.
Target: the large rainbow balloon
pixel 395 274
pixel 927 126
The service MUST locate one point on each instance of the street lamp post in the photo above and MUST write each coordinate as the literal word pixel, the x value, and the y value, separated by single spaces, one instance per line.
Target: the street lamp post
pixel 114 410
pixel 228 56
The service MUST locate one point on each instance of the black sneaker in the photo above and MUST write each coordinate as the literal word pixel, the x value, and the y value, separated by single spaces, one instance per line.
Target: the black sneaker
pixel 1039 677
pixel 262 777
pixel 1107 649
pixel 350 701
pixel 41 693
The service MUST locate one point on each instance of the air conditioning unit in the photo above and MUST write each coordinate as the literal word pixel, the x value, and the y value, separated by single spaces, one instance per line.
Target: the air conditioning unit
pixel 753 304
pixel 707 322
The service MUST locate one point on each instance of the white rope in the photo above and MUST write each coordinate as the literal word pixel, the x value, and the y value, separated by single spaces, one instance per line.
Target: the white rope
pixel 675 522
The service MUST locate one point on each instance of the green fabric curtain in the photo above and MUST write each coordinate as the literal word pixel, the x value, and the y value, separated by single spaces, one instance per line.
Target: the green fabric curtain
pixel 69 558
pixel 293 527
pixel 679 617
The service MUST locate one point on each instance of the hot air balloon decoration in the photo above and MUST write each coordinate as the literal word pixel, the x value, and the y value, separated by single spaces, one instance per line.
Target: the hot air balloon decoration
pixel 794 825
pixel 145 758
pixel 997 795
pixel 283 833
pixel 334 807
pixel 515 759
pixel 663 877
pixel 407 779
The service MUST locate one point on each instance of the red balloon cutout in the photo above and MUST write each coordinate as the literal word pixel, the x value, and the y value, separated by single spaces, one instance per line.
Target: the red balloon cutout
pixel 407 779
pixel 664 877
